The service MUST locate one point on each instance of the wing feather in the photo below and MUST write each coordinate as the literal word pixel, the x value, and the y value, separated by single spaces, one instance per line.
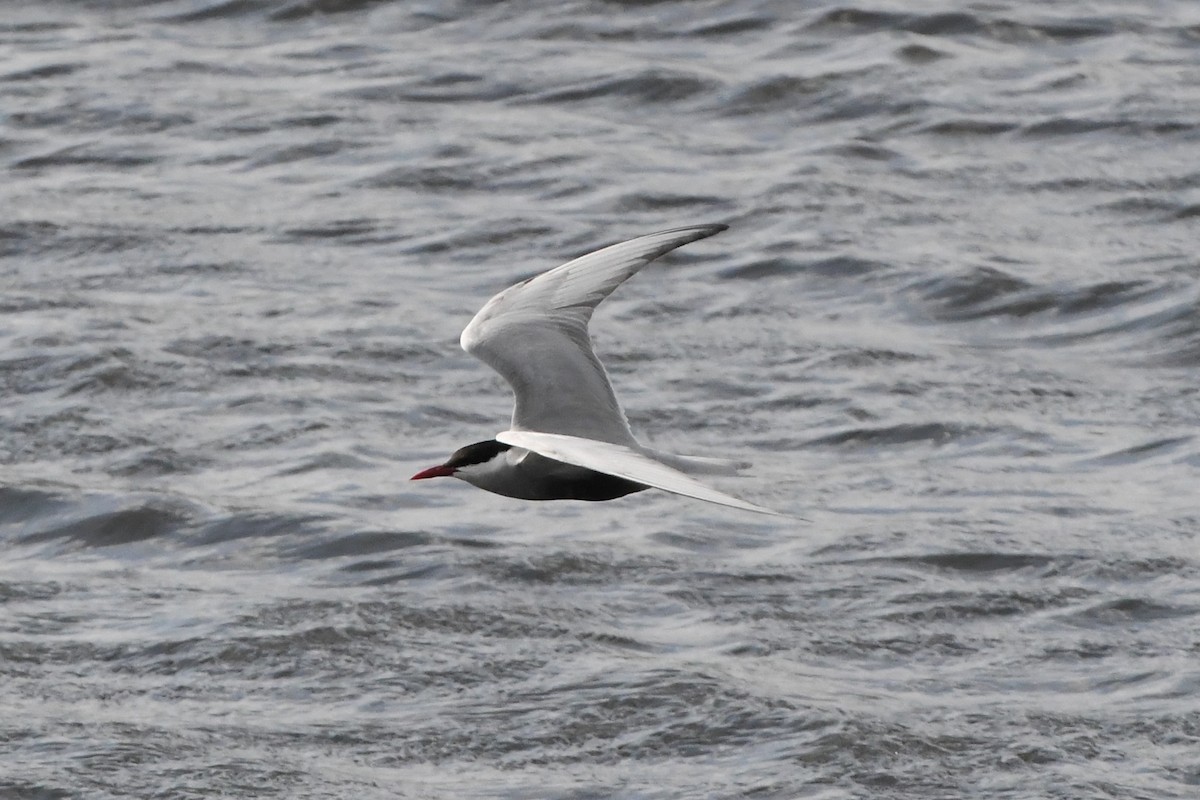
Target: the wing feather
pixel 535 334
pixel 623 462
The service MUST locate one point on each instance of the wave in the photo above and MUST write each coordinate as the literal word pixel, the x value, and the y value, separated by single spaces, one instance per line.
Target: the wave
pixel 1144 321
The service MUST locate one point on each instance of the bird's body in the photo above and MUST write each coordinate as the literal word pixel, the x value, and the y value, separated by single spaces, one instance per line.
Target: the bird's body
pixel 523 474
pixel 569 438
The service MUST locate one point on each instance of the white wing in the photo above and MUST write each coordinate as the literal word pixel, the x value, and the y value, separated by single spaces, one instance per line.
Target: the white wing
pixel 535 335
pixel 624 462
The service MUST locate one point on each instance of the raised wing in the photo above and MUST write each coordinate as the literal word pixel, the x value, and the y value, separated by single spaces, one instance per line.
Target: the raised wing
pixel 624 462
pixel 535 335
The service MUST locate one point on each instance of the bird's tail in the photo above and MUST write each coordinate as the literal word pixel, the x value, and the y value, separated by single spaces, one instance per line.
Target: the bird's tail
pixel 699 465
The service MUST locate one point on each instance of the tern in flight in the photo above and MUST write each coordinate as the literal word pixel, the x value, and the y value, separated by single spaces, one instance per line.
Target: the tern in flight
pixel 569 439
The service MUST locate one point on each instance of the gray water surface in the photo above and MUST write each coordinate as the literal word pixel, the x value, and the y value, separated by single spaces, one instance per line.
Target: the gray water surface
pixel 955 324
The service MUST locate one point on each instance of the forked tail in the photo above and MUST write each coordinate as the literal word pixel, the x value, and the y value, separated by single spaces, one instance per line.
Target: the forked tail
pixel 699 465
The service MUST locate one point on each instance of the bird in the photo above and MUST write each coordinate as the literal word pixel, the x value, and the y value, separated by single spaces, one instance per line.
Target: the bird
pixel 569 437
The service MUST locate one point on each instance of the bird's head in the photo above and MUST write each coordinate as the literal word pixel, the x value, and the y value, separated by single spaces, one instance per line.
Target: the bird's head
pixel 465 461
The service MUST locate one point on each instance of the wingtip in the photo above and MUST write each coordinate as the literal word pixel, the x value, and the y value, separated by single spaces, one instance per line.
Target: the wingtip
pixel 768 511
pixel 701 231
pixel 707 229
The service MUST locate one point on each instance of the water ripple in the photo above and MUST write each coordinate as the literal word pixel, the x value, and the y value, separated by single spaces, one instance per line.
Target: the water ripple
pixel 953 323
